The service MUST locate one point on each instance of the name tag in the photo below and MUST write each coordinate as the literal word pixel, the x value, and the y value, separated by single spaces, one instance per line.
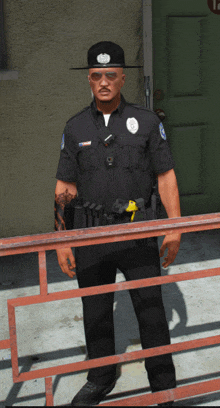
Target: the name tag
pixel 85 144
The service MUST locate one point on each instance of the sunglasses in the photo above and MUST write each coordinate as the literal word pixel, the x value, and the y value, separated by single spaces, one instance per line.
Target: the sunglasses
pixel 96 76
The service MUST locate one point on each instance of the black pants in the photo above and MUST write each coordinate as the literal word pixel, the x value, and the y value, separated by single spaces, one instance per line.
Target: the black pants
pixel 97 265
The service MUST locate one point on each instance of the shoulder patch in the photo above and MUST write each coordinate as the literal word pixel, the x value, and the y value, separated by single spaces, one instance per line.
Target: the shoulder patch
pixel 162 131
pixel 62 142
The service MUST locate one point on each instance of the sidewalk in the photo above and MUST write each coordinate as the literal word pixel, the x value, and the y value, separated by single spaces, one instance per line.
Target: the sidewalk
pixel 52 334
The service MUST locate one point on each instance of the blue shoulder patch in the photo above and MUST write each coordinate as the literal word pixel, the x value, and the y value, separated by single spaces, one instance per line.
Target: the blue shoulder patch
pixel 162 131
pixel 62 142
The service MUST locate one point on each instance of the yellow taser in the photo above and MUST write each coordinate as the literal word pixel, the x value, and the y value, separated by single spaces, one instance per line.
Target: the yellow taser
pixel 132 207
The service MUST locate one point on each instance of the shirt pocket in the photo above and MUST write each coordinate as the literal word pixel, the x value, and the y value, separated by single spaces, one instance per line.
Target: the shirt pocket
pixel 88 157
pixel 133 152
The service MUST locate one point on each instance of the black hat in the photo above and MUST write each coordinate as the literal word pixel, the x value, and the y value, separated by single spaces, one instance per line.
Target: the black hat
pixel 106 54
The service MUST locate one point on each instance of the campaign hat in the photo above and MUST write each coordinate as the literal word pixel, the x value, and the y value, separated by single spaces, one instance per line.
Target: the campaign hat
pixel 106 54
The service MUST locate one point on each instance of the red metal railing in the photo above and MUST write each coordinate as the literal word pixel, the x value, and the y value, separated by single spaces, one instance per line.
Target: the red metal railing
pixel 97 235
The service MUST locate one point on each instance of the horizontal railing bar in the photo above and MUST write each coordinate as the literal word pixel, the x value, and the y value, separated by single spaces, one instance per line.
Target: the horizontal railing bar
pixel 173 394
pixel 113 287
pixel 110 233
pixel 5 344
pixel 119 358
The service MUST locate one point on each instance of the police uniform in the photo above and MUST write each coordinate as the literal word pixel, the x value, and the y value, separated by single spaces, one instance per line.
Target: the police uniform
pixel 119 161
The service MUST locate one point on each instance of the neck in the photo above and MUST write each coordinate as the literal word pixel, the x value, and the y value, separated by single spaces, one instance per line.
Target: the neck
pixel 109 106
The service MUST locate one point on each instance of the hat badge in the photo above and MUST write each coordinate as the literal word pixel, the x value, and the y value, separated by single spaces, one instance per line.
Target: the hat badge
pixel 103 58
pixel 132 125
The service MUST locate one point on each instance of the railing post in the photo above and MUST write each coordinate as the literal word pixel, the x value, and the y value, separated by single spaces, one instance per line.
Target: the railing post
pixel 49 391
pixel 42 272
pixel 13 341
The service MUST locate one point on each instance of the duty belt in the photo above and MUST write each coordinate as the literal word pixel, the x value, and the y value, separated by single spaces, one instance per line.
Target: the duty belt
pixel 89 214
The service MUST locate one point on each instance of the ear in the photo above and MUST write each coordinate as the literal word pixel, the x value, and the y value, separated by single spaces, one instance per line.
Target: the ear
pixel 123 79
pixel 89 78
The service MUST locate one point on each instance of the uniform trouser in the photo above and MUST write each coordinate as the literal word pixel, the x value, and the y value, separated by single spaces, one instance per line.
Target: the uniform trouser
pixel 97 265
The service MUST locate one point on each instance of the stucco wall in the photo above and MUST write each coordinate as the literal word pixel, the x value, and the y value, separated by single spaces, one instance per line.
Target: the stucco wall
pixel 45 39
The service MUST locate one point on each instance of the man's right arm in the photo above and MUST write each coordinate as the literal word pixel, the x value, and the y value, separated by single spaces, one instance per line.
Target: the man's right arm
pixel 64 193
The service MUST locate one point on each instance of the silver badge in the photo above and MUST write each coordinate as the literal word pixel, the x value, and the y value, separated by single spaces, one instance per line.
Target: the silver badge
pixel 132 125
pixel 103 58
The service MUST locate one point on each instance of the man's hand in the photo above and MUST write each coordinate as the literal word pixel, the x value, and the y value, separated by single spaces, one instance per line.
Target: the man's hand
pixel 169 194
pixel 63 255
pixel 172 243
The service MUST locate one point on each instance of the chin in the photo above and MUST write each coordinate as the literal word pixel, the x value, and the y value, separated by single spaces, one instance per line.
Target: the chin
pixel 103 98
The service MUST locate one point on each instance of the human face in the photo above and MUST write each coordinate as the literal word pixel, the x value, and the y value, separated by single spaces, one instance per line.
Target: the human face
pixel 106 83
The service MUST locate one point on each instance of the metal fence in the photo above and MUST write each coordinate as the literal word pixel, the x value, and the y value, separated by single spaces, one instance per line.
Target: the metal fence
pixel 98 235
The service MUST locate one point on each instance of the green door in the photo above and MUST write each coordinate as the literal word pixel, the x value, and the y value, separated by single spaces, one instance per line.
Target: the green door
pixel 186 68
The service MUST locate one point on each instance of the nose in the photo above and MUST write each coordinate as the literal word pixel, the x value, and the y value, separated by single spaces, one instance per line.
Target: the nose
pixel 104 80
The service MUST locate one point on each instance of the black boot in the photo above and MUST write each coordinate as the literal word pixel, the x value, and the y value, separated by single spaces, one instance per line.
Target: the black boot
pixel 91 394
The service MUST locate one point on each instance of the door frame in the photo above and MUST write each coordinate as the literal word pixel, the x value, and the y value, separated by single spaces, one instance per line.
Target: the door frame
pixel 148 45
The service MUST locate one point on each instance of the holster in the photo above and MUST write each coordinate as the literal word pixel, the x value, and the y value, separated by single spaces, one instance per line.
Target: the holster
pixel 69 214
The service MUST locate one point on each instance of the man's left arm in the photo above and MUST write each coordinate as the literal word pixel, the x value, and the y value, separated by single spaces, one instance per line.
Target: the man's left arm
pixel 169 194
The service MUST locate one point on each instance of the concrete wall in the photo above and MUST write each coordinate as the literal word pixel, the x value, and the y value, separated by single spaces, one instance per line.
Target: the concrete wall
pixel 45 39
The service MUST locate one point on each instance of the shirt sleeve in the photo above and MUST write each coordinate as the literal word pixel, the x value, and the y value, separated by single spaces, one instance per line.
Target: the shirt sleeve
pixel 67 167
pixel 160 154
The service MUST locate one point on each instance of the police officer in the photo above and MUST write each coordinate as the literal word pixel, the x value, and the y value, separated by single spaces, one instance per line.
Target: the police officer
pixel 111 153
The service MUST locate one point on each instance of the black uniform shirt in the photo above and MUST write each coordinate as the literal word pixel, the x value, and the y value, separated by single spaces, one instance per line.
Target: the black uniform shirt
pixel 117 161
